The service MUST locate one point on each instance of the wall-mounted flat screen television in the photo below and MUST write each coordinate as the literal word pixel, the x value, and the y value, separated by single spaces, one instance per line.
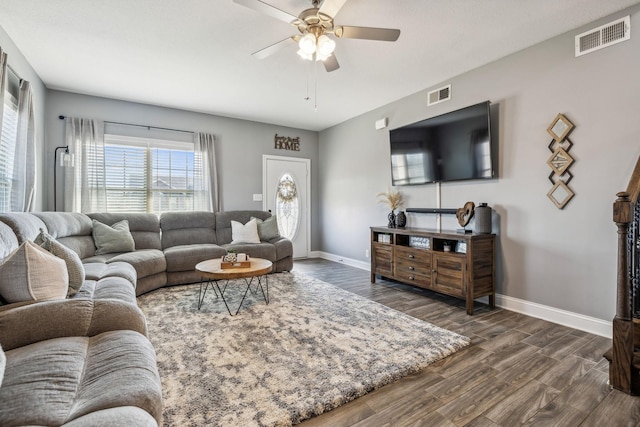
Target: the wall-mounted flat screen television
pixel 454 146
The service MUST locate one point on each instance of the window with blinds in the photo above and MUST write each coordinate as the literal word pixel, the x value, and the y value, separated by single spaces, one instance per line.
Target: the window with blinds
pixel 8 138
pixel 147 175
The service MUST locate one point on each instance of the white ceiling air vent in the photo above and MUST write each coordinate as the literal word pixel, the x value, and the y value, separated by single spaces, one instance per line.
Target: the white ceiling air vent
pixel 604 36
pixel 439 95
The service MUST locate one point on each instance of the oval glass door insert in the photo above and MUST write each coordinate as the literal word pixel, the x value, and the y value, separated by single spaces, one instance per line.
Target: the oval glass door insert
pixel 287 207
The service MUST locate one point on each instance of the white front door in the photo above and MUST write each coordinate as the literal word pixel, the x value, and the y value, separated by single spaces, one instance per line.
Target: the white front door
pixel 286 190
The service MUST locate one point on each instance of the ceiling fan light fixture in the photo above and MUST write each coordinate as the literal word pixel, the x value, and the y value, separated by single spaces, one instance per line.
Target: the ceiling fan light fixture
pixel 326 46
pixel 320 57
pixel 305 55
pixel 307 44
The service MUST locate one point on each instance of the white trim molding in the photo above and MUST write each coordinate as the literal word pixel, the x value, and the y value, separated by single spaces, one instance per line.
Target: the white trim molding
pixel 563 317
pixel 342 260
pixel 578 321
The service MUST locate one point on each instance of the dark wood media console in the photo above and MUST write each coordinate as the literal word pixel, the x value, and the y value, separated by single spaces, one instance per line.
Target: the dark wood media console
pixel 417 257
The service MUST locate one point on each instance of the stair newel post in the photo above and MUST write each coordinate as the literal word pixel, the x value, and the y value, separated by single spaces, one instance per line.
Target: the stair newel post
pixel 620 369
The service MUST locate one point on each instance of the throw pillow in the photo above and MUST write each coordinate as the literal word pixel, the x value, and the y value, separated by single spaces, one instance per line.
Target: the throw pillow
pixel 75 269
pixel 32 274
pixel 247 233
pixel 116 238
pixel 267 229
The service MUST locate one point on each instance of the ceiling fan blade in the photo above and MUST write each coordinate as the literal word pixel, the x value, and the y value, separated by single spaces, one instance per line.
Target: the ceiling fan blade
pixel 267 9
pixel 270 50
pixel 331 64
pixel 367 33
pixel 331 7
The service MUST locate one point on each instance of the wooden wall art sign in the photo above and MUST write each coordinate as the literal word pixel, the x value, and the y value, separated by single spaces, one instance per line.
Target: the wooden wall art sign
pixel 287 143
pixel 560 161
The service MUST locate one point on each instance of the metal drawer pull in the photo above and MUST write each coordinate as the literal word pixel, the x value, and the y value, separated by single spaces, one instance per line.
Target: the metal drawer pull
pixel 411 268
pixel 411 278
pixel 411 256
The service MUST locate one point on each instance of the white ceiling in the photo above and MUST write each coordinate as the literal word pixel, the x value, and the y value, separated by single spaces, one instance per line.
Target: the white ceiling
pixel 196 54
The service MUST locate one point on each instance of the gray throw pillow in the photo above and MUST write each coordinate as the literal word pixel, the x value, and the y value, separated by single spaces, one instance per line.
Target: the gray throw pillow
pixel 70 258
pixel 116 238
pixel 267 229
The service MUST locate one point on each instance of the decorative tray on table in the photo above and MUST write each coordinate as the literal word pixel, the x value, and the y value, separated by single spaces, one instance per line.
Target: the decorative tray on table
pixel 235 261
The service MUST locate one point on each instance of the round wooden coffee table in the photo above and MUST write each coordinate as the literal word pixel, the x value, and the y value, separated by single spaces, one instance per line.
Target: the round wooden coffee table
pixel 212 272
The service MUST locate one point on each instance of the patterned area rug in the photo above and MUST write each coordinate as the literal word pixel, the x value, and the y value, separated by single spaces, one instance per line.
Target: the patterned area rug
pixel 312 349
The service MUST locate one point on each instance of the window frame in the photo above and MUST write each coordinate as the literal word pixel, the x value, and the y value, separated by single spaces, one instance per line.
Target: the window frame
pixel 149 145
pixel 8 147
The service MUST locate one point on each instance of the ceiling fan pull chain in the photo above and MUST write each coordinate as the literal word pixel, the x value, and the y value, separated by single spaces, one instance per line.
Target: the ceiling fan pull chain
pixel 315 79
pixel 308 74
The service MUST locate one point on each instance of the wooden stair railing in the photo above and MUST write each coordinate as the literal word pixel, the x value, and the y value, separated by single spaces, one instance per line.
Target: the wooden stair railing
pixel 624 358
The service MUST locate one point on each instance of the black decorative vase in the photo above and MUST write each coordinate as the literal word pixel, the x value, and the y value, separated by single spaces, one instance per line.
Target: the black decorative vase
pixel 401 219
pixel 392 219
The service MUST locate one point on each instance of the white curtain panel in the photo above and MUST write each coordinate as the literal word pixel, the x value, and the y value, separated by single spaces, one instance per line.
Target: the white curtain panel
pixel 206 183
pixel 84 188
pixel 24 171
pixel 3 82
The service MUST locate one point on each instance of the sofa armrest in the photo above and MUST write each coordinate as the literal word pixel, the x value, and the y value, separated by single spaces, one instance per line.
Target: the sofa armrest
pixel 65 318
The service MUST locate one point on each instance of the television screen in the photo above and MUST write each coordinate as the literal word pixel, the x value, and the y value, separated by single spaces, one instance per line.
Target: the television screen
pixel 452 147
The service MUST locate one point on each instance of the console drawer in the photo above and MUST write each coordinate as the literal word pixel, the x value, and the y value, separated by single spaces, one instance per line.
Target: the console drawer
pixel 413 278
pixel 412 255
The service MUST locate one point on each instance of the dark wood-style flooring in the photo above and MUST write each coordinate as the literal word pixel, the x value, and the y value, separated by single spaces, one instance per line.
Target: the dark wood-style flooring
pixel 519 370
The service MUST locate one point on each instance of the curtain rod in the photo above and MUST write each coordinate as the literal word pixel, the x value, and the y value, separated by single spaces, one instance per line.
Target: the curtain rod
pixel 142 126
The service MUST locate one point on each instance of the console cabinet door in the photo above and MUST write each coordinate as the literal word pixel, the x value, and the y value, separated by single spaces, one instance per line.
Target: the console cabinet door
pixel 448 273
pixel 383 259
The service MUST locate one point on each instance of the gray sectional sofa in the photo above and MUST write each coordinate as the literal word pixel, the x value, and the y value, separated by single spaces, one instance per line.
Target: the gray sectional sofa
pixel 87 359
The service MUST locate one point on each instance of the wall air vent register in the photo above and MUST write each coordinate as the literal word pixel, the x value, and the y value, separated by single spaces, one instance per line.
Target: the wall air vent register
pixel 439 95
pixel 604 36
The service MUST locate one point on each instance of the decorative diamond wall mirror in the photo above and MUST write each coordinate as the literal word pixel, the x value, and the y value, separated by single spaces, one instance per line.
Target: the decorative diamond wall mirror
pixel 560 127
pixel 560 161
pixel 560 194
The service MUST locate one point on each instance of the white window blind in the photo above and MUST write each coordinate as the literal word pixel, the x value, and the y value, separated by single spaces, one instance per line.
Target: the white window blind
pixel 8 140
pixel 148 175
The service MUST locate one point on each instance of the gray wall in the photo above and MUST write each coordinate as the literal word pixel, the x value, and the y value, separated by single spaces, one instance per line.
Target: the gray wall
pixel 559 258
pixel 240 144
pixel 23 69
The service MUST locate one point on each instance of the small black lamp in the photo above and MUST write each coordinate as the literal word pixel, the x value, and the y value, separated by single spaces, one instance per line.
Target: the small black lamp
pixel 66 160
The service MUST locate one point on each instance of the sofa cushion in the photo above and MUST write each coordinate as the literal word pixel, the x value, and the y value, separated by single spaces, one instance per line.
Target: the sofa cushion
pixel 247 233
pixel 146 262
pixel 114 238
pixel 72 229
pixel 185 228
pixel 144 227
pixel 8 240
pixel 185 257
pixel 268 228
pixel 255 250
pixel 31 273
pixel 100 270
pixel 40 321
pixel 116 417
pixel 284 248
pixel 55 381
pixel 115 288
pixel 75 269
pixel 24 225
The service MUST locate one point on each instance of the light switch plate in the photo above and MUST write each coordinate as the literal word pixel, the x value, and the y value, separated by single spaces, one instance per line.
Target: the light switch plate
pixel 257 197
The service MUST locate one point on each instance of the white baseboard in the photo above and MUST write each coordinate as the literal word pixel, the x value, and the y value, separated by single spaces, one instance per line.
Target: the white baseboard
pixel 578 321
pixel 563 317
pixel 342 260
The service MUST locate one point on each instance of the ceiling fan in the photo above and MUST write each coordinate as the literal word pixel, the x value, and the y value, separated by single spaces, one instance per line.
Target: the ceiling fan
pixel 316 29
